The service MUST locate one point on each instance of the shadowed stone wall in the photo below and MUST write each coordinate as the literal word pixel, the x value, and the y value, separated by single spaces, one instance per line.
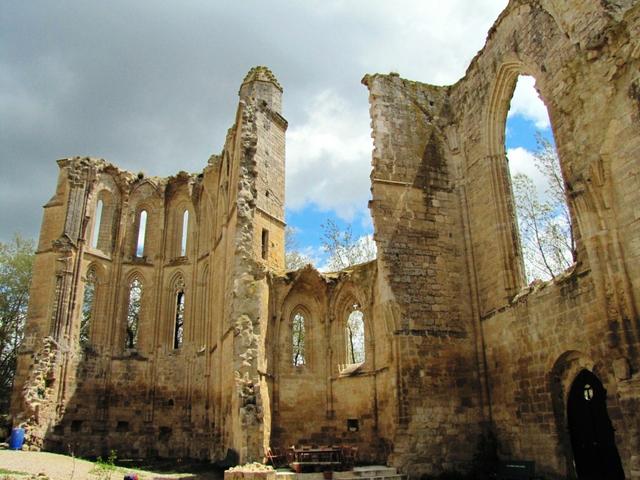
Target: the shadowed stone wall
pixel 200 398
pixel 457 348
pixel 449 248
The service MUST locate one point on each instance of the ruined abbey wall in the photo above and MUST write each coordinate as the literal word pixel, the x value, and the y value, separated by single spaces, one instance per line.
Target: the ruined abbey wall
pixel 421 253
pixel 441 183
pixel 585 60
pixel 155 397
pixel 458 351
pixel 315 402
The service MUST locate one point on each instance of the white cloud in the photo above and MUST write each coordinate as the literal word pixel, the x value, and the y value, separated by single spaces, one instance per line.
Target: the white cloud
pixel 329 157
pixel 329 148
pixel 527 103
pixel 522 160
pixel 427 40
pixel 163 87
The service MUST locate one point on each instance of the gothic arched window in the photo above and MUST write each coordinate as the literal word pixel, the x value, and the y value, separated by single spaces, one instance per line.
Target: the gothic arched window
pixel 355 336
pixel 298 339
pixel 133 313
pixel 88 301
pixel 142 233
pixel 178 331
pixel 95 235
pixel 185 233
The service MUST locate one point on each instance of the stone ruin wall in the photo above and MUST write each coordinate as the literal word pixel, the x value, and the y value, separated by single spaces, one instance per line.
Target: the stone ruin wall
pixel 154 399
pixel 419 233
pixel 313 403
pixel 441 196
pixel 457 345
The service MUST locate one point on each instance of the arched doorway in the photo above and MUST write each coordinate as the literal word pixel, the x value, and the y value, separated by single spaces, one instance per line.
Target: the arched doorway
pixel 592 435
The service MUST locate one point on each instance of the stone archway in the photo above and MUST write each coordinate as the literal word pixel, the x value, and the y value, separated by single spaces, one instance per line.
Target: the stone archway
pixel 590 430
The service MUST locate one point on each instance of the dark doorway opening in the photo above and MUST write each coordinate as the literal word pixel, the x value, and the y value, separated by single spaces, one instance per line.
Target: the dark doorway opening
pixel 592 435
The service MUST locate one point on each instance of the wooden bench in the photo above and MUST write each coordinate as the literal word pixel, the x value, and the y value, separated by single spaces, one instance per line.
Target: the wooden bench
pixel 517 470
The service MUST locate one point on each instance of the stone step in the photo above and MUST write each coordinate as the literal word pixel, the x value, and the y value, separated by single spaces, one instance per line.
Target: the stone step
pixel 372 472
pixel 377 470
pixel 367 476
pixel 342 476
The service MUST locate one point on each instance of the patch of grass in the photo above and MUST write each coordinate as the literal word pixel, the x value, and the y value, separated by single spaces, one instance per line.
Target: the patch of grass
pixel 104 468
pixel 4 471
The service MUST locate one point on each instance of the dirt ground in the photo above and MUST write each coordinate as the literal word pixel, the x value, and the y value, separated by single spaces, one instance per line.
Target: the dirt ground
pixel 62 467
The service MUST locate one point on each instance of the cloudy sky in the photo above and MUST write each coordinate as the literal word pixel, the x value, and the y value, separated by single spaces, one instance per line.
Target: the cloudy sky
pixel 152 86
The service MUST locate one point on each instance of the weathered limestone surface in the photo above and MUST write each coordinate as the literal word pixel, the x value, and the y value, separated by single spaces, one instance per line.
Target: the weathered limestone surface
pixel 312 403
pixel 449 249
pixel 419 232
pixel 457 348
pixel 200 400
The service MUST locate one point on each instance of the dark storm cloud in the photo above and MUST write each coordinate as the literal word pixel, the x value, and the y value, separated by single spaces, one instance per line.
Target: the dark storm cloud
pixel 147 85
pixel 152 85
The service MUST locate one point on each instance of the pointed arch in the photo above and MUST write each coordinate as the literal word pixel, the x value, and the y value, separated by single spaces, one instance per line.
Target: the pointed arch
pixel 561 380
pixel 177 297
pixel 88 306
pixel 180 222
pixel 299 328
pixel 184 234
pixel 146 204
pixel 101 227
pixel 592 435
pixel 495 118
pixel 355 335
pixel 203 296
pixel 133 311
pixel 299 318
pixel 96 223
pixel 543 224
pixel 511 232
pixel 354 330
pixel 141 233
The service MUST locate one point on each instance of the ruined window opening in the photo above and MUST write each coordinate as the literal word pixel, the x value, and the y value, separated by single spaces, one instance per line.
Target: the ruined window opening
pixel 545 232
pixel 355 335
pixel 142 233
pixel 96 224
pixel 122 426
pixel 204 310
pixel 185 231
pixel 133 313
pixel 298 338
pixel 265 243
pixel 178 331
pixel 88 301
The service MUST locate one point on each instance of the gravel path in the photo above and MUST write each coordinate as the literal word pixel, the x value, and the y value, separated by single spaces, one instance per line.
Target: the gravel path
pixel 56 467
pixel 62 467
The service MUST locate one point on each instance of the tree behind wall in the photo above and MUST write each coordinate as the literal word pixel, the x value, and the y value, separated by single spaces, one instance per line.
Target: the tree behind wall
pixel 16 261
pixel 546 234
pixel 293 258
pixel 344 249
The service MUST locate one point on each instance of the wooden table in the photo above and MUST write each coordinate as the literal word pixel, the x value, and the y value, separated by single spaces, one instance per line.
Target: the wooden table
pixel 314 457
